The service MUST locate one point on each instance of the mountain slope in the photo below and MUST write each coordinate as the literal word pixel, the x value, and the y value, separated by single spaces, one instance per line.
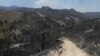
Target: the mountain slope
pixel 25 32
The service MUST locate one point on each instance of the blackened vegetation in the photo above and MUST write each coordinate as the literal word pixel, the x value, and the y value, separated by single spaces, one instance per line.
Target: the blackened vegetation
pixel 24 33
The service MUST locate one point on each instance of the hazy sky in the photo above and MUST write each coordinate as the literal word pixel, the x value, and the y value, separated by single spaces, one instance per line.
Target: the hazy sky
pixel 79 5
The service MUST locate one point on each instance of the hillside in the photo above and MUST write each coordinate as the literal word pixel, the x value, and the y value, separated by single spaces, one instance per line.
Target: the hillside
pixel 26 31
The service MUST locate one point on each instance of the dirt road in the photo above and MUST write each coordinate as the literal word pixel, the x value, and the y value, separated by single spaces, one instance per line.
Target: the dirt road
pixel 68 49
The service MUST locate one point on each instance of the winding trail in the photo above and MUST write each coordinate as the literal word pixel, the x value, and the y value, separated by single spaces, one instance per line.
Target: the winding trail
pixel 68 48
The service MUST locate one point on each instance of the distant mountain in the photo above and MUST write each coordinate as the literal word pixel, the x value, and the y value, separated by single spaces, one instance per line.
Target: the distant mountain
pixel 15 8
pixel 93 14
pixel 59 13
pixel 56 13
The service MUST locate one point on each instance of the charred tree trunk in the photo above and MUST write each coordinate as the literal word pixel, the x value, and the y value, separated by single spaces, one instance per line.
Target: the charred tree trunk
pixel 43 41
